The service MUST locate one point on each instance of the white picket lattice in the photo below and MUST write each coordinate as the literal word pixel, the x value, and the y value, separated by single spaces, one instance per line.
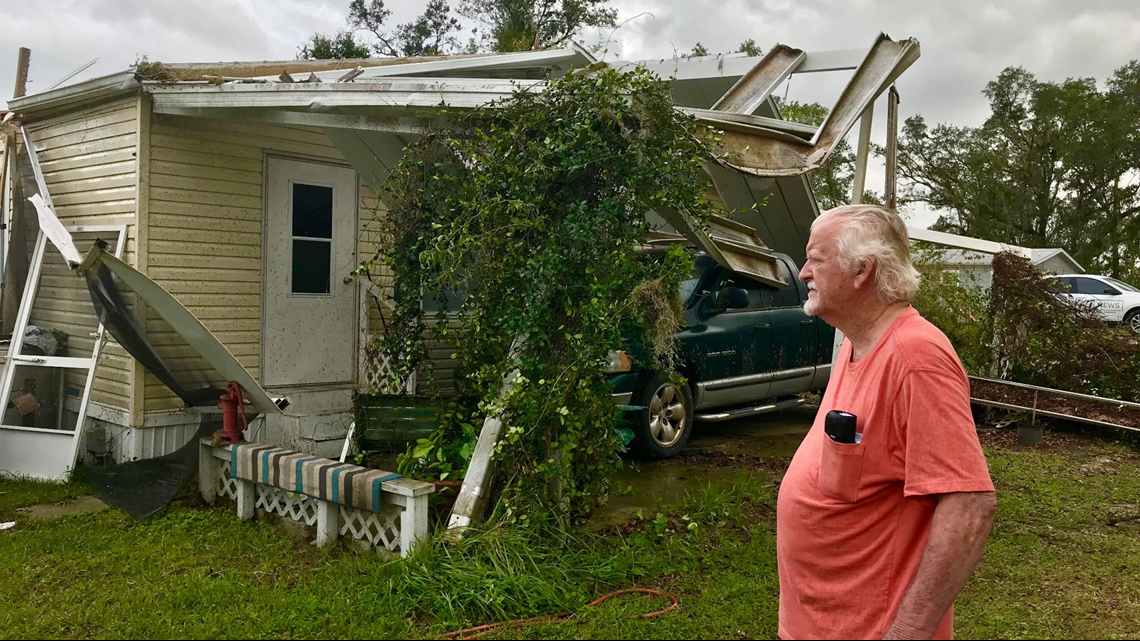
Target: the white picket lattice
pixel 398 528
pixel 381 529
pixel 379 376
pixel 224 485
pixel 288 504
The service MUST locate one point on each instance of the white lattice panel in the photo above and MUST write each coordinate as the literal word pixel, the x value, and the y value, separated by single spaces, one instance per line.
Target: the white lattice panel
pixel 288 504
pixel 224 485
pixel 379 377
pixel 381 529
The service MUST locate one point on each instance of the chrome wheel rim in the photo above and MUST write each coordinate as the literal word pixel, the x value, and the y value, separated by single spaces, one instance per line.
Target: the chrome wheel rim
pixel 668 416
pixel 1134 323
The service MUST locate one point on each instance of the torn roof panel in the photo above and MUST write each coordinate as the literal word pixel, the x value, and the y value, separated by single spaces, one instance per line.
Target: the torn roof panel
pixel 763 153
pixel 522 65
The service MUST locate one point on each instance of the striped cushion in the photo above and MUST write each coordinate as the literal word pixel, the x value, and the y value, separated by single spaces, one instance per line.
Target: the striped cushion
pixel 320 478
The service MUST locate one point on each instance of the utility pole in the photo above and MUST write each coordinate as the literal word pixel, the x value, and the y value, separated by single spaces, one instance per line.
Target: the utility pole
pixel 890 190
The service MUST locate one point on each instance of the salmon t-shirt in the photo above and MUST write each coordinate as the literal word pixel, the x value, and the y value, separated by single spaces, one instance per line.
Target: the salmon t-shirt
pixel 852 520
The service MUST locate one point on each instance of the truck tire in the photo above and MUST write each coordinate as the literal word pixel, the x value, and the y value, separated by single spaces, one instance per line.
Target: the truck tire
pixel 662 429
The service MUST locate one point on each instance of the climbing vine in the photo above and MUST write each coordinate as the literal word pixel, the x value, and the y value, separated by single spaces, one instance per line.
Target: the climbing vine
pixel 535 209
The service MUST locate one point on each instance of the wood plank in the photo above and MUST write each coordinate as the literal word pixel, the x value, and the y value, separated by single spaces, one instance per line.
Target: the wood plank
pixel 251 142
pixel 185 261
pixel 196 236
pixel 187 170
pixel 86 136
pixel 216 184
pixel 208 314
pixel 208 226
pixel 97 196
pixel 205 197
pixel 194 158
pixel 118 212
pixel 168 274
pixel 195 210
pixel 65 184
pixel 124 166
pixel 178 288
pixel 173 144
pixel 124 141
pixel 197 302
pixel 94 159
pixel 203 248
pixel 237 334
pixel 94 112
pixel 248 130
pixel 47 131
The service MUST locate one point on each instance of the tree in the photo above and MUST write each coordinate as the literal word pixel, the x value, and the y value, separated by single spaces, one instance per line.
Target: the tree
pixel 430 34
pixel 536 208
pixel 831 183
pixel 1054 165
pixel 698 51
pixel 523 25
pixel 341 45
pixel 749 47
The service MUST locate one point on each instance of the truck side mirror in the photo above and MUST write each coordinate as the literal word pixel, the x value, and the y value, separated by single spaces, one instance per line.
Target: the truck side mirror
pixel 732 298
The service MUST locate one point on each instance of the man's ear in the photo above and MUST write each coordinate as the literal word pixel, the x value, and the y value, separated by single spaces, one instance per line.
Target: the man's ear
pixel 865 273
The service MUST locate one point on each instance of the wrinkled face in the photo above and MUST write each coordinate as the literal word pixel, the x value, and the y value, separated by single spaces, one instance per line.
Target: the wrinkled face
pixel 830 288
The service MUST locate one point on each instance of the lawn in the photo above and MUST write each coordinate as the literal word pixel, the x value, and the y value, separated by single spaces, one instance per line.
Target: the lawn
pixel 1062 563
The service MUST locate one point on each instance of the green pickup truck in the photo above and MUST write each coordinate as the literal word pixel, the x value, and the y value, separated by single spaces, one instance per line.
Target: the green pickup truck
pixel 747 348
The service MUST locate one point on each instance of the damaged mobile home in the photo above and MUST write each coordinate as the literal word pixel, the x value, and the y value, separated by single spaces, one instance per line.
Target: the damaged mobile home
pixel 214 214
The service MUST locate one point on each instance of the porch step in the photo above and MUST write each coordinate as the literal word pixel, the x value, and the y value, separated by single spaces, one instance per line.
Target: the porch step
pixel 753 410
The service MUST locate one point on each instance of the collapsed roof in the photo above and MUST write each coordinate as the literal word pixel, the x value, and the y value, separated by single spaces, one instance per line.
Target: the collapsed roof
pixel 370 109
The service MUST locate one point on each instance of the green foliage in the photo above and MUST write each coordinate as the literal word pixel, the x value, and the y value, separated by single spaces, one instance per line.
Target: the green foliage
pixel 523 25
pixel 698 51
pixel 750 48
pixel 336 47
pixel 535 208
pixel 831 183
pixel 430 34
pixel 1043 339
pixel 959 310
pixel 1021 330
pixel 1052 166
pixel 1065 525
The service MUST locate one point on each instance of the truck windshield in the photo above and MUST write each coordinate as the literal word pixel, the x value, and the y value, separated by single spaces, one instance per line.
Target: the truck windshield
pixel 703 263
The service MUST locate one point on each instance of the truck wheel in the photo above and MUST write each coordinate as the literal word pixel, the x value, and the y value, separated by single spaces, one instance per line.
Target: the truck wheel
pixel 1132 320
pixel 662 429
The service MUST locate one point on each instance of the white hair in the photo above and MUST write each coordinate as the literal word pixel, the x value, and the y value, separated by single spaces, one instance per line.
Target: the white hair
pixel 871 232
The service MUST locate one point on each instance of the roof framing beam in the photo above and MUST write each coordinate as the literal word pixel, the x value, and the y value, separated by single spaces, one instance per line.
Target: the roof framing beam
pixel 393 124
pixel 424 93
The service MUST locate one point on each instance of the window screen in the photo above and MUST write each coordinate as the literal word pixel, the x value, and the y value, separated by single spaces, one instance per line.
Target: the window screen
pixel 312 239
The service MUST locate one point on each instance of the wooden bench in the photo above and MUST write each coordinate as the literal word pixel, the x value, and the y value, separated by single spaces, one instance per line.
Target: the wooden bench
pixel 332 485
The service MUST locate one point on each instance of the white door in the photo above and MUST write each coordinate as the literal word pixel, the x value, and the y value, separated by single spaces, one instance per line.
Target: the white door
pixel 309 318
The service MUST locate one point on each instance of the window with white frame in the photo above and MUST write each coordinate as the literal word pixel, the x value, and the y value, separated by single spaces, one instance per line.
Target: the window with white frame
pixel 312 239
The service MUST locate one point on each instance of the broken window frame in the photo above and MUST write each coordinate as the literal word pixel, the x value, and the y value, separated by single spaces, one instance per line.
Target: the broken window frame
pixel 17 359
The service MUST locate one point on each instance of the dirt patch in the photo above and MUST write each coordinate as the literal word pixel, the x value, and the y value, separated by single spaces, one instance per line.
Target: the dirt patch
pixel 701 458
pixel 1105 411
pixel 1090 449
pixel 84 505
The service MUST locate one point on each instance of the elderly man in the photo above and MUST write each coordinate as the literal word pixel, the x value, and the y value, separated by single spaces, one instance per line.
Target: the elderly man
pixel 876 538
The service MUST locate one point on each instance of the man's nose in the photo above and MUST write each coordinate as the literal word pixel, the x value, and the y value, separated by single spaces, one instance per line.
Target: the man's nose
pixel 805 273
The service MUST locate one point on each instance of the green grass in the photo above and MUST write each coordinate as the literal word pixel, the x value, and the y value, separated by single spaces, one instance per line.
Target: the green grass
pixel 1064 561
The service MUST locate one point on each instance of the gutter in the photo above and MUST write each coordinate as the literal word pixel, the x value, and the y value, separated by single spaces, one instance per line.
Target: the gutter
pixel 96 90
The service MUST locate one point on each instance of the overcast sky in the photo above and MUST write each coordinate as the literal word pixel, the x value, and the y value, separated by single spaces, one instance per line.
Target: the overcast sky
pixel 965 43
